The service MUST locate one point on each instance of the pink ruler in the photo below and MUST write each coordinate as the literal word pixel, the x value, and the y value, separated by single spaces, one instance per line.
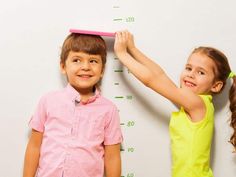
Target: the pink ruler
pixel 109 34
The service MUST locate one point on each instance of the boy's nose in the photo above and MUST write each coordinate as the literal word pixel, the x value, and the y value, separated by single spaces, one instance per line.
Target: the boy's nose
pixel 85 65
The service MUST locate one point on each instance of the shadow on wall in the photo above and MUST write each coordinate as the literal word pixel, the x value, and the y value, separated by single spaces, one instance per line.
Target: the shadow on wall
pixel 220 101
pixel 63 79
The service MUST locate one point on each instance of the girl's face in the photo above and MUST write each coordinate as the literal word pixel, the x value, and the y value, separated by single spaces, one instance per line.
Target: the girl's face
pixel 83 70
pixel 199 74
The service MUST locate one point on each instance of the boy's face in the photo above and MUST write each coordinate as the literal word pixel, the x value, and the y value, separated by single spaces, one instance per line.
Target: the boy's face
pixel 83 70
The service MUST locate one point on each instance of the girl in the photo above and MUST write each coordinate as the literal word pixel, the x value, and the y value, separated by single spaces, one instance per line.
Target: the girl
pixel 191 129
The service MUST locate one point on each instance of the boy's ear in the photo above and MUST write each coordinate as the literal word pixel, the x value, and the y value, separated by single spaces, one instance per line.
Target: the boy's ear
pixel 217 86
pixel 62 67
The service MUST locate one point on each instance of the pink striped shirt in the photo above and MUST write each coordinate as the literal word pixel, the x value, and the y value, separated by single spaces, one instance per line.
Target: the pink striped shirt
pixel 74 134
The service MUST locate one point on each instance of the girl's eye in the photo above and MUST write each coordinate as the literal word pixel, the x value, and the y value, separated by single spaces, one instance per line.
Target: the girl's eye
pixel 188 68
pixel 201 72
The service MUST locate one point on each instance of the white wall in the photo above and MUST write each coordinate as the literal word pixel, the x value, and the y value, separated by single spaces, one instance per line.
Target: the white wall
pixel 32 32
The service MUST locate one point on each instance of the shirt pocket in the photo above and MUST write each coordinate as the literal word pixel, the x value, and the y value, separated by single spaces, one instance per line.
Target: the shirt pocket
pixel 91 127
pixel 97 126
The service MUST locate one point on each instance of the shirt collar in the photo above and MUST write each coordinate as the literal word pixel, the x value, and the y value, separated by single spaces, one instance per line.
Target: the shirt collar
pixel 74 95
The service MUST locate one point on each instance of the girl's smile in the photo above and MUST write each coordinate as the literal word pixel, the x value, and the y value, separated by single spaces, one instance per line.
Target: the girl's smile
pixel 198 74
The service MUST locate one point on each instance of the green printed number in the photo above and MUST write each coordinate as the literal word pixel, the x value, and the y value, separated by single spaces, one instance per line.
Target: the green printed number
pixel 129 19
pixel 130 175
pixel 130 123
pixel 129 97
pixel 130 149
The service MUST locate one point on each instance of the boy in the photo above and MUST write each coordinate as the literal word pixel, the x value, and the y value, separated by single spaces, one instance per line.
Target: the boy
pixel 75 131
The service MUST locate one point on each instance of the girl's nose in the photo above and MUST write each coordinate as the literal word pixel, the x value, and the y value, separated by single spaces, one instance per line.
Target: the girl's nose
pixel 191 74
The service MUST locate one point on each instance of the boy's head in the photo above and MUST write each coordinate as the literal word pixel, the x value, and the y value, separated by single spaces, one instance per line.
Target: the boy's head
pixel 90 44
pixel 83 59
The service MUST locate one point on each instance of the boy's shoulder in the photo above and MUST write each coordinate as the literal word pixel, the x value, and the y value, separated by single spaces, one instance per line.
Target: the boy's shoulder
pixel 106 102
pixel 53 94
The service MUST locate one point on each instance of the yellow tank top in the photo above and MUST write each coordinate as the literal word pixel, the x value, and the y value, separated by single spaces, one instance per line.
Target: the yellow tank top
pixel 191 142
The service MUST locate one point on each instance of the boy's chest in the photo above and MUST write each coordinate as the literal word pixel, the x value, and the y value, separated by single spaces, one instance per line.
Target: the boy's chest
pixel 81 122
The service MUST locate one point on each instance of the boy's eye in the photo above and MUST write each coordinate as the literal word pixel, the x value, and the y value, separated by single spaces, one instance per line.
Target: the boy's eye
pixel 93 61
pixel 76 60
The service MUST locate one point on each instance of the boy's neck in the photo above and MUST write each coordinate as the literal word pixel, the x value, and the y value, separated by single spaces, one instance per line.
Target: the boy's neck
pixel 85 94
pixel 85 97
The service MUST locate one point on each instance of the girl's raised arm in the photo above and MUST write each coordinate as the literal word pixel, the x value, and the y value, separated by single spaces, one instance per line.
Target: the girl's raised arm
pixel 154 77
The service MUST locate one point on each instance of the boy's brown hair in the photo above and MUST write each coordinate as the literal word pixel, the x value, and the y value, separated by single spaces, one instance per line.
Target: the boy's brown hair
pixel 91 44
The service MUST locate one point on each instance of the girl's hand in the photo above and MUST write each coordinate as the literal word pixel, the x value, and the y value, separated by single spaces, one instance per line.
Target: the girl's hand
pixel 121 42
pixel 130 42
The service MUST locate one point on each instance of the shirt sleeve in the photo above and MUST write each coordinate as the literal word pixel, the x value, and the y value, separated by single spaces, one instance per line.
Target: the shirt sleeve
pixel 113 134
pixel 39 117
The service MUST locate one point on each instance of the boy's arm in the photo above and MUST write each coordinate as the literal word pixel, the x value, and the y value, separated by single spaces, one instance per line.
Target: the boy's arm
pixel 112 160
pixel 32 154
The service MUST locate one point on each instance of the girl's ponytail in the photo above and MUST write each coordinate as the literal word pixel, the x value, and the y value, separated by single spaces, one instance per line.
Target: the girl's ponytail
pixel 232 107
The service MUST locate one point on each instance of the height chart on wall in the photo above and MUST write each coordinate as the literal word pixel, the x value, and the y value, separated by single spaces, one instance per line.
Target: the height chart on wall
pixel 139 125
pixel 32 33
pixel 121 98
